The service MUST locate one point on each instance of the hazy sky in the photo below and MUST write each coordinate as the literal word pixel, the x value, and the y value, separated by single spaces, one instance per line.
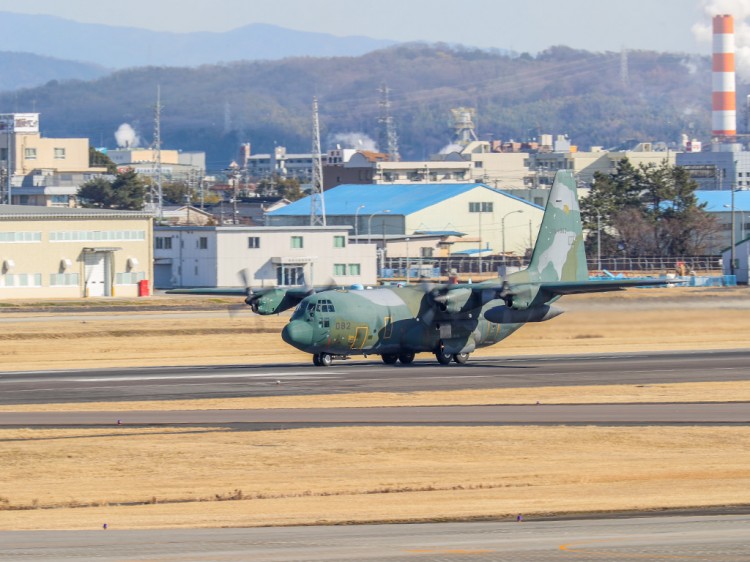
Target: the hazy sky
pixel 531 25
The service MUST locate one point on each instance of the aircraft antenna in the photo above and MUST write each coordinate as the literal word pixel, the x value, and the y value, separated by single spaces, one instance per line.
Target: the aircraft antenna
pixel 317 203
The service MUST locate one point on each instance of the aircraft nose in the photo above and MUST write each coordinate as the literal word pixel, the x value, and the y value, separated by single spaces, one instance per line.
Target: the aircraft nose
pixel 297 334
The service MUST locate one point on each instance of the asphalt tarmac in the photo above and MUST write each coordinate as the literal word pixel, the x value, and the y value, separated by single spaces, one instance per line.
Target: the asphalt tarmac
pixel 711 538
pixel 168 383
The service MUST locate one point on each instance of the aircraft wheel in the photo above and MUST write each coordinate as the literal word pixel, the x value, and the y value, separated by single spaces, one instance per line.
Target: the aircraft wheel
pixel 406 358
pixel 442 357
pixel 389 358
pixel 461 358
pixel 323 359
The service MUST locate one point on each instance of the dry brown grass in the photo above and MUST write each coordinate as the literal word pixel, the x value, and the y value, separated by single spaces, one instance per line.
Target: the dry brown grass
pixel 359 474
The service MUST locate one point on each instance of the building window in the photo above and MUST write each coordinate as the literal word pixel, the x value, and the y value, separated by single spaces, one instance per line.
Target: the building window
pixel 63 279
pixel 29 153
pixel 480 207
pixel 426 252
pixel 354 269
pixel 59 153
pixel 129 278
pixel 298 242
pixel 339 241
pixel 253 242
pixel 339 269
pixel 478 163
pixel 203 243
pixel 163 243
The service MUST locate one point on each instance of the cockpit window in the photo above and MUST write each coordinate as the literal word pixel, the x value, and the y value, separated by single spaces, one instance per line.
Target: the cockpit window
pixel 325 305
pixel 299 312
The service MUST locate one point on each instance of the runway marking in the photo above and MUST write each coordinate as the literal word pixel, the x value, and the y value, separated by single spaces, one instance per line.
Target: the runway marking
pixel 188 377
pixel 446 551
pixel 578 547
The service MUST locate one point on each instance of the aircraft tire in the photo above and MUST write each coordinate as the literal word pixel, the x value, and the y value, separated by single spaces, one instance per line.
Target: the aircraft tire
pixel 326 359
pixel 389 358
pixel 461 358
pixel 442 357
pixel 316 359
pixel 406 358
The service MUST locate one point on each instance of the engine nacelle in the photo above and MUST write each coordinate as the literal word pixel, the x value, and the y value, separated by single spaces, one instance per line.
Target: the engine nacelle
pixel 455 300
pixel 271 302
pixel 504 315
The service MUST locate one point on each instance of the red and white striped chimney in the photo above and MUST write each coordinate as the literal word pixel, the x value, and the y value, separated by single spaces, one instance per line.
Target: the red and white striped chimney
pixel 724 106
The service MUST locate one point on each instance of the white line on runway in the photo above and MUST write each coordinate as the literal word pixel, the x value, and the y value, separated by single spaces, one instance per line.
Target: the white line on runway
pixel 213 376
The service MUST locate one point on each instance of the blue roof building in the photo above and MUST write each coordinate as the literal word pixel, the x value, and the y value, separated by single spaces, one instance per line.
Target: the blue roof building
pixel 490 218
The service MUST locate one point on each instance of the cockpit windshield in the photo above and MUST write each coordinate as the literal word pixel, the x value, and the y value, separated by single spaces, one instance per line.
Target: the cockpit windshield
pixel 307 309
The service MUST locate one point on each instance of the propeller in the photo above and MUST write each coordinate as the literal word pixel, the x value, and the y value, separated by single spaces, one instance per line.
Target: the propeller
pixel 251 299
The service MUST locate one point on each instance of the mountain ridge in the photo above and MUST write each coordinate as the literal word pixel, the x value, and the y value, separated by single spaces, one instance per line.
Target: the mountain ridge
pixel 100 44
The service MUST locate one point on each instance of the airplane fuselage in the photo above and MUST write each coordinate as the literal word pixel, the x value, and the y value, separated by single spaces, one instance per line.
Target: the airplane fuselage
pixel 391 321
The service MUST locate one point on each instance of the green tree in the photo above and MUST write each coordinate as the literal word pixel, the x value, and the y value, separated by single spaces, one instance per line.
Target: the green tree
pixel 100 160
pixel 177 193
pixel 125 192
pixel 646 211
pixel 290 189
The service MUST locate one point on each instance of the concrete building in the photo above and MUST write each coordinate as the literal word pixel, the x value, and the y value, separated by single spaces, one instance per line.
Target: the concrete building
pixel 742 261
pixel 719 204
pixel 543 165
pixel 496 220
pixel 176 165
pixel 280 163
pixel 474 163
pixel 216 256
pixel 44 171
pixel 61 253
pixel 724 167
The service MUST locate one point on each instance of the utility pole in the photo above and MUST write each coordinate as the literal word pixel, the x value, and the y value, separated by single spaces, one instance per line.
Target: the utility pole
pixel 317 203
pixel 157 154
pixel 387 137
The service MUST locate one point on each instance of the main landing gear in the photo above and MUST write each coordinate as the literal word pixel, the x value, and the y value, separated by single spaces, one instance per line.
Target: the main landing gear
pixel 391 358
pixel 444 358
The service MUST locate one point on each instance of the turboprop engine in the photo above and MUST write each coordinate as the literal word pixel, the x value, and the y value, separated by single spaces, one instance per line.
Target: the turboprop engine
pixel 270 302
pixel 504 315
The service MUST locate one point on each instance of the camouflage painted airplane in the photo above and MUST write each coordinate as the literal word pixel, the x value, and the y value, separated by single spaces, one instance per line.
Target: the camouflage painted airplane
pixel 450 321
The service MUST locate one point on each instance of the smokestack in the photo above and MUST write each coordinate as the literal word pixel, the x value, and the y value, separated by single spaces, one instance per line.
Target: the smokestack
pixel 724 106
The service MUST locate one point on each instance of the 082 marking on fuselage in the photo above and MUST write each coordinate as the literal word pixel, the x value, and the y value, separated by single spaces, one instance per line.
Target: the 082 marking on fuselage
pixel 450 320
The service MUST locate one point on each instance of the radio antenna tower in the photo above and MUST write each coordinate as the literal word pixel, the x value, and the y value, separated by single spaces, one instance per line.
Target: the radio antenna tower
pixel 387 137
pixel 157 154
pixel 317 203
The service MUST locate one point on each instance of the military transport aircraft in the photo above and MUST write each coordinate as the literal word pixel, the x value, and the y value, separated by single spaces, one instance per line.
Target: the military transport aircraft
pixel 451 320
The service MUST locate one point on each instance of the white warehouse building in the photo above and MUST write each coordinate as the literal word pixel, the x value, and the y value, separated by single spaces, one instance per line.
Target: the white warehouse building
pixel 217 256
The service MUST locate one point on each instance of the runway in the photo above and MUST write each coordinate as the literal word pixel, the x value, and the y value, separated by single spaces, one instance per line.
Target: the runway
pixel 653 538
pixel 168 383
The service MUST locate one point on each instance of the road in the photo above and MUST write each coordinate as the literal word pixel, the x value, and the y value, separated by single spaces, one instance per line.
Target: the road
pixel 691 538
pixel 425 374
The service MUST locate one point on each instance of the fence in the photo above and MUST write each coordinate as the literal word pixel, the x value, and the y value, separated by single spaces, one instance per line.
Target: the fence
pixel 434 268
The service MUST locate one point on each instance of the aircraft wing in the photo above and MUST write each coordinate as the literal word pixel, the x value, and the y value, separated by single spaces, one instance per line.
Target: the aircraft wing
pixel 577 287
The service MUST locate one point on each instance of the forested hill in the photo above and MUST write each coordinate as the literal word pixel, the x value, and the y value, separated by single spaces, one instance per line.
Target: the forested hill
pixel 589 96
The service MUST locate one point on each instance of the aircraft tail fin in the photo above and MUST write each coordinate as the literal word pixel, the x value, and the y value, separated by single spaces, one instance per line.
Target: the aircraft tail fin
pixel 559 254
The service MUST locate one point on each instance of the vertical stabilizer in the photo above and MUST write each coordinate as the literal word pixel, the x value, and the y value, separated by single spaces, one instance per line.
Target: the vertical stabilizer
pixel 558 253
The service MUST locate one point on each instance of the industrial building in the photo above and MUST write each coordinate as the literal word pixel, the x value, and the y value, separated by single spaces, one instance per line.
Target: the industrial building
pixel 48 252
pixel 492 220
pixel 220 256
